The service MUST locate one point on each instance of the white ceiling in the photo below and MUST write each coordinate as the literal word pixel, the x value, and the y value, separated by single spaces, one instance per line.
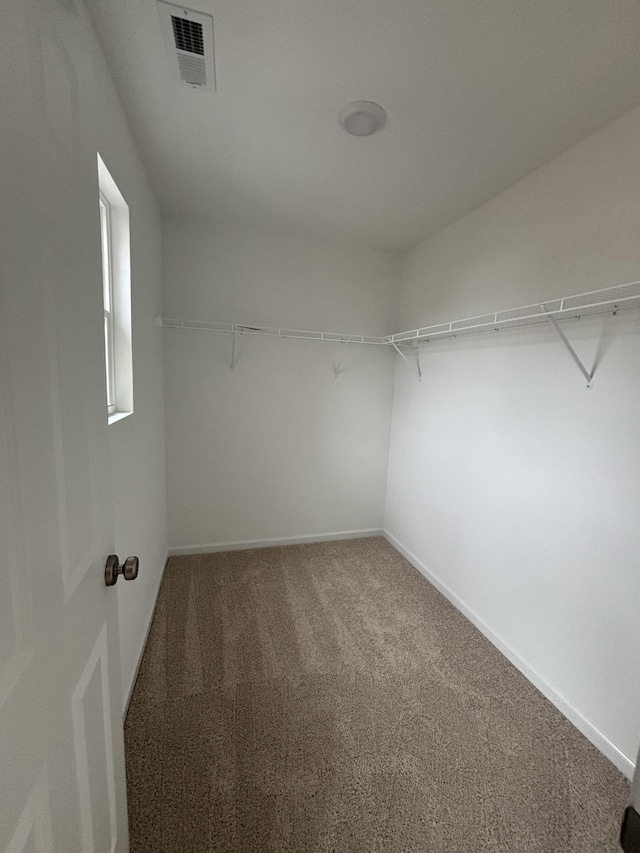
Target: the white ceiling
pixel 477 92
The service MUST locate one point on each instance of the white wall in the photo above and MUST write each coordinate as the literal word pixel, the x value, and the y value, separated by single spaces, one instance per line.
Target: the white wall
pixel 510 482
pixel 279 447
pixel 137 442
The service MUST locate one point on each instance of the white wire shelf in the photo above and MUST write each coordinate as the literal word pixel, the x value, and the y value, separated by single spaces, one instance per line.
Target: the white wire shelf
pixel 239 329
pixel 606 300
pixel 609 299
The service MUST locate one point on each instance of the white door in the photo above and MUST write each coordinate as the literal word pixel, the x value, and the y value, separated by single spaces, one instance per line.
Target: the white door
pixel 62 784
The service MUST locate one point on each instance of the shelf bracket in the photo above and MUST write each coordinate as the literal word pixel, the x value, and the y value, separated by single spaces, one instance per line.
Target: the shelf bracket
pixel 233 348
pixel 337 368
pixel 416 368
pixel 588 376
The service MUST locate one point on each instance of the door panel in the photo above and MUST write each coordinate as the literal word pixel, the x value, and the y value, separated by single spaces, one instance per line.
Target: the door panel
pixel 16 637
pixel 33 832
pixel 93 736
pixel 74 437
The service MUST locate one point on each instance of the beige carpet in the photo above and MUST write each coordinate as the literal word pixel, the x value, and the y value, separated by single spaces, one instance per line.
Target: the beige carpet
pixel 327 698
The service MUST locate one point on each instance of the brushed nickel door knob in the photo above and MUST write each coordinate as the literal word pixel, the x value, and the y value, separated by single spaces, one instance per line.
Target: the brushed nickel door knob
pixel 129 569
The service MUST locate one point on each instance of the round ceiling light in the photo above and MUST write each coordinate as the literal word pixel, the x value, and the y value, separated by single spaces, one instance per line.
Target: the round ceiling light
pixel 362 118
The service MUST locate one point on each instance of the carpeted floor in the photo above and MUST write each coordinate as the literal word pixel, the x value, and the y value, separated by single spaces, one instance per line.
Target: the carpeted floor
pixel 327 698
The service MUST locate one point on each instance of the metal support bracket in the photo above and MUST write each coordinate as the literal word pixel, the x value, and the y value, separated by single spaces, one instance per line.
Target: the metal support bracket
pixel 233 347
pixel 588 376
pixel 337 368
pixel 413 367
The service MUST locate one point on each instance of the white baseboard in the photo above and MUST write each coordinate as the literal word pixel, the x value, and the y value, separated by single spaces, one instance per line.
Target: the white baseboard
pixel 143 645
pixel 246 544
pixel 602 743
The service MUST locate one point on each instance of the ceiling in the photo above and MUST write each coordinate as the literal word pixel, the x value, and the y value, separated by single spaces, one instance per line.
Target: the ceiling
pixel 477 92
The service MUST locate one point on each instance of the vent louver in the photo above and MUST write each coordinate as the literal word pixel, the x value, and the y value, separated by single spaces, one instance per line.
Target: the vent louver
pixel 189 41
pixel 187 35
pixel 192 70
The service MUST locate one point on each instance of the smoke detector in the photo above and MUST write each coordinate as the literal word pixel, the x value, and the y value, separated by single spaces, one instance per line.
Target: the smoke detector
pixel 188 37
pixel 362 118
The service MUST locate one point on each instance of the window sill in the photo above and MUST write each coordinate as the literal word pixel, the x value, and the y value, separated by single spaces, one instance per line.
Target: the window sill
pixel 117 416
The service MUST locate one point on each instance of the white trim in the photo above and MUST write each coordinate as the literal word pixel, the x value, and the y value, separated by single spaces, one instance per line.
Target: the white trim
pixel 117 416
pixel 246 544
pixel 143 645
pixel 588 729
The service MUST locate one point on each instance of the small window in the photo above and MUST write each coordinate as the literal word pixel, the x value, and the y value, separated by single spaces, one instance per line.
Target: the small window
pixel 107 299
pixel 116 296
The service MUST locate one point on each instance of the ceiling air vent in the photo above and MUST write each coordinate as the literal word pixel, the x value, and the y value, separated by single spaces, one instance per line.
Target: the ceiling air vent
pixel 189 39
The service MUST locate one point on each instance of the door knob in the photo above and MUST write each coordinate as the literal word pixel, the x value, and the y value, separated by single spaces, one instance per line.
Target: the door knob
pixel 129 569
